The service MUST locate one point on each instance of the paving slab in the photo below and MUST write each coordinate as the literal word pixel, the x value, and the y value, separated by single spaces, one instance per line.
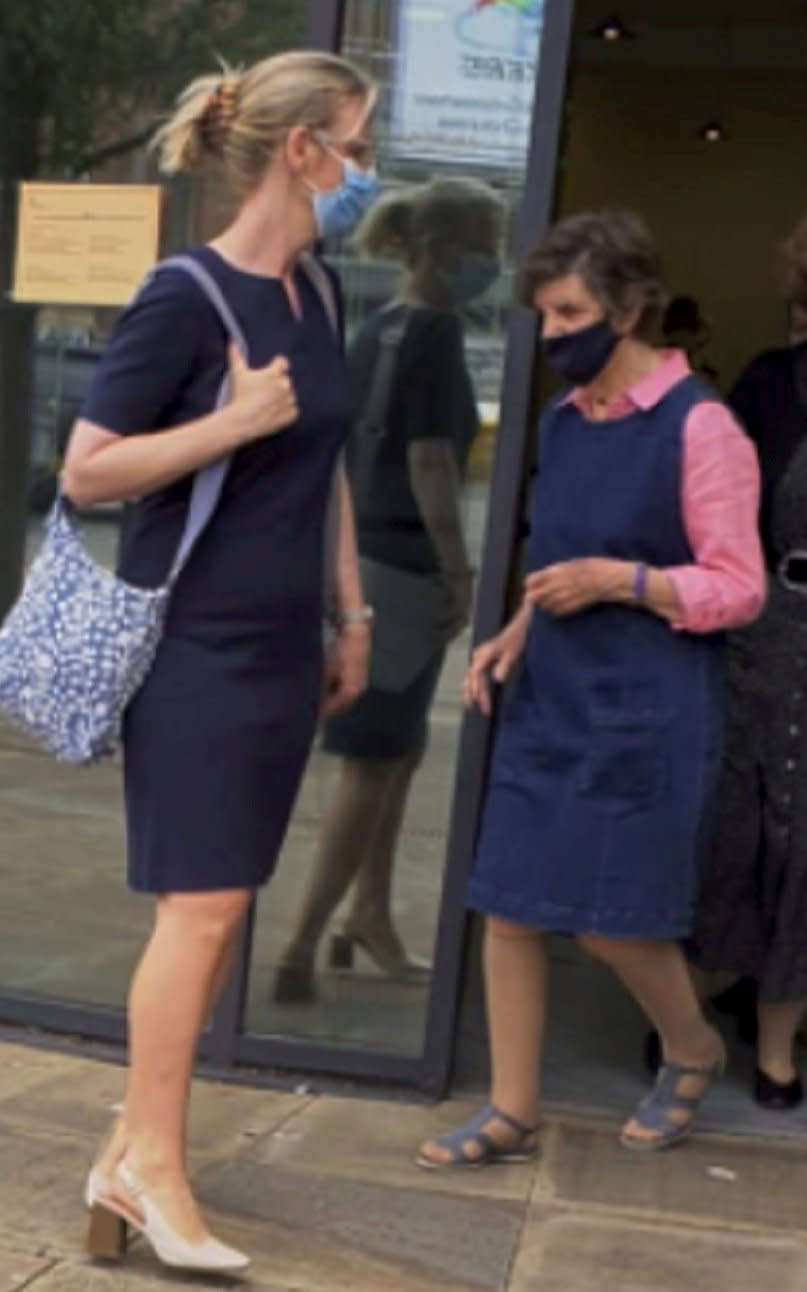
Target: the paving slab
pixel 80 1097
pixel 41 1181
pixel 22 1067
pixel 577 1254
pixel 226 1120
pixel 77 1100
pixel 437 1239
pixel 137 1275
pixel 737 1182
pixel 18 1270
pixel 373 1140
pixel 320 1261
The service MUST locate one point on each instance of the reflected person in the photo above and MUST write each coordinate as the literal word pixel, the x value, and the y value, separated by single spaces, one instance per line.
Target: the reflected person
pixel 415 422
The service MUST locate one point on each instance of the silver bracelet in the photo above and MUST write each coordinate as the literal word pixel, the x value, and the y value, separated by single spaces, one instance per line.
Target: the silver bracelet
pixel 347 618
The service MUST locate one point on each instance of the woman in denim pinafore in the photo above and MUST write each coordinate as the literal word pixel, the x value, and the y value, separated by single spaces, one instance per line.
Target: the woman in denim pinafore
pixel 643 549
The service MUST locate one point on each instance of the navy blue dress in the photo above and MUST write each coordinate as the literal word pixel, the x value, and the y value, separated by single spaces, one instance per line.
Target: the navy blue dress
pixel 609 747
pixel 215 742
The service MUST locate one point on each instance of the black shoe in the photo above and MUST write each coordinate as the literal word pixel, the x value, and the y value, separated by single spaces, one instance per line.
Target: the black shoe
pixel 652 1052
pixel 772 1094
pixel 294 983
pixel 740 1002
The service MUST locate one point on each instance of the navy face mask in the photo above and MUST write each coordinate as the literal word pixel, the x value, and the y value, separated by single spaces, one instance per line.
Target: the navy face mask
pixel 580 356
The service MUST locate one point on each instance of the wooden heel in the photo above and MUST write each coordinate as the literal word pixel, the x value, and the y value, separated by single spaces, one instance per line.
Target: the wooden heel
pixel 341 952
pixel 107 1235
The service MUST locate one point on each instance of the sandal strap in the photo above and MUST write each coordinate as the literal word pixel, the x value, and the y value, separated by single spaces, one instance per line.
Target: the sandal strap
pixel 500 1115
pixel 473 1132
pixel 653 1113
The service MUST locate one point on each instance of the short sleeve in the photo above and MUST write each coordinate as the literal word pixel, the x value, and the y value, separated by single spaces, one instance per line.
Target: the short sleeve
pixel 436 392
pixel 150 357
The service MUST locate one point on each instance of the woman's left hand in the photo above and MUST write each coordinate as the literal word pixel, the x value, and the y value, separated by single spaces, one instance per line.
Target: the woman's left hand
pixel 570 586
pixel 347 664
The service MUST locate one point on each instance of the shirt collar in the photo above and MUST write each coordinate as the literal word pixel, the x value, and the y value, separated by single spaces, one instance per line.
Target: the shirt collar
pixel 648 392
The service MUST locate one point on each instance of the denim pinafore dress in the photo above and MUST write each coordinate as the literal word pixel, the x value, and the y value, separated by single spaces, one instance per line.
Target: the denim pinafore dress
pixel 609 746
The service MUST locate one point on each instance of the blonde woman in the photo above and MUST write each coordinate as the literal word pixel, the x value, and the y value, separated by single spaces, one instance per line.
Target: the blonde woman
pixel 216 740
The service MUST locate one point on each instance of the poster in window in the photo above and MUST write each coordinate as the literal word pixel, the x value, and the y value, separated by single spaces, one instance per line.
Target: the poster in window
pixel 466 81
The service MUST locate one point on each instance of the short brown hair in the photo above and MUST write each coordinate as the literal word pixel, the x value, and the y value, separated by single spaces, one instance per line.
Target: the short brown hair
pixel 615 255
pixel 794 265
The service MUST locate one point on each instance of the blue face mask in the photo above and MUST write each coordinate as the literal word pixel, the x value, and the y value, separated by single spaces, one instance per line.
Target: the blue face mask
pixel 581 356
pixel 337 211
pixel 472 277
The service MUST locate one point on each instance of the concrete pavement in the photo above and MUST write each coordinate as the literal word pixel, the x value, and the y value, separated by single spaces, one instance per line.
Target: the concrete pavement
pixel 322 1192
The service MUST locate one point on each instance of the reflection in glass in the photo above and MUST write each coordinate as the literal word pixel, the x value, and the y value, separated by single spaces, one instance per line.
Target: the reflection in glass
pixel 415 420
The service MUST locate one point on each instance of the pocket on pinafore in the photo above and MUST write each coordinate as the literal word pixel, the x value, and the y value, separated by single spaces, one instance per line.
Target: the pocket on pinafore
pixel 626 767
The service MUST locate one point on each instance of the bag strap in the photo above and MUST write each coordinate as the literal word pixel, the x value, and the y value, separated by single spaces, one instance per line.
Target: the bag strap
pixel 209 482
pixel 320 280
pixel 374 414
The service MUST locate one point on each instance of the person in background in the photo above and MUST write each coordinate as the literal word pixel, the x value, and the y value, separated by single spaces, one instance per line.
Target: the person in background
pixel 415 420
pixel 216 740
pixel 643 550
pixel 751 916
pixel 797 322
pixel 685 328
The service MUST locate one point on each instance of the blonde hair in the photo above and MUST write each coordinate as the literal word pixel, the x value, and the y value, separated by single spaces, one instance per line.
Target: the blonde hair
pixel 242 117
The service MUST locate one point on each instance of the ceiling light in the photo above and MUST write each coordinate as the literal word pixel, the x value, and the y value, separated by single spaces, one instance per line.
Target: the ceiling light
pixel 613 29
pixel 713 132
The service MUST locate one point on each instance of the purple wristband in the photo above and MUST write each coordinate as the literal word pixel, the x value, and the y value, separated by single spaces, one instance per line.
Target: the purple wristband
pixel 640 582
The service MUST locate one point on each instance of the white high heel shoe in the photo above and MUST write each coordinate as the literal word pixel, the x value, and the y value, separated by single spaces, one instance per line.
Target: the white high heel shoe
pixel 110 1219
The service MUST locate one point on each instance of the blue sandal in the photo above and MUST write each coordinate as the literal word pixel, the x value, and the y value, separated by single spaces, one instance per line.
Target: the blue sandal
pixel 654 1112
pixel 487 1151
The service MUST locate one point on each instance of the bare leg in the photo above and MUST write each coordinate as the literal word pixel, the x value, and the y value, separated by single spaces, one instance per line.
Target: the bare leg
pixel 657 976
pixel 346 838
pixel 371 910
pixel 778 1025
pixel 114 1148
pixel 169 1002
pixel 516 978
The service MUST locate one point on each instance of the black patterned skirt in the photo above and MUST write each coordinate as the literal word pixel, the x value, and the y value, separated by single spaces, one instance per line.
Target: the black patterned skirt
pixel 751 915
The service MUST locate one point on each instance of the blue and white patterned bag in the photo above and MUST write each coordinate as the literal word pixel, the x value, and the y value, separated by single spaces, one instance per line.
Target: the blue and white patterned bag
pixel 79 641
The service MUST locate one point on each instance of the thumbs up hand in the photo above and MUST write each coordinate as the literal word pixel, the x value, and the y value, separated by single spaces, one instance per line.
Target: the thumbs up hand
pixel 265 396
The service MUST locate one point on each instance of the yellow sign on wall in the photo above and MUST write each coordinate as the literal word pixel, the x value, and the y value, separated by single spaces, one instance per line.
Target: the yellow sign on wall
pixel 85 244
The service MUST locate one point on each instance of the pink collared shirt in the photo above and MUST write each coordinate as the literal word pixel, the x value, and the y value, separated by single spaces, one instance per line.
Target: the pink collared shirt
pixel 725 587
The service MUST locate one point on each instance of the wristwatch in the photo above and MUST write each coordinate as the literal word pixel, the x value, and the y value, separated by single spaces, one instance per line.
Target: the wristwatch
pixel 347 618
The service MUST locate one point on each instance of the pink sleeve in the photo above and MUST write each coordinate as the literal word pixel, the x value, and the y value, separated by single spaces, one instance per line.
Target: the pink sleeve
pixel 726 586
